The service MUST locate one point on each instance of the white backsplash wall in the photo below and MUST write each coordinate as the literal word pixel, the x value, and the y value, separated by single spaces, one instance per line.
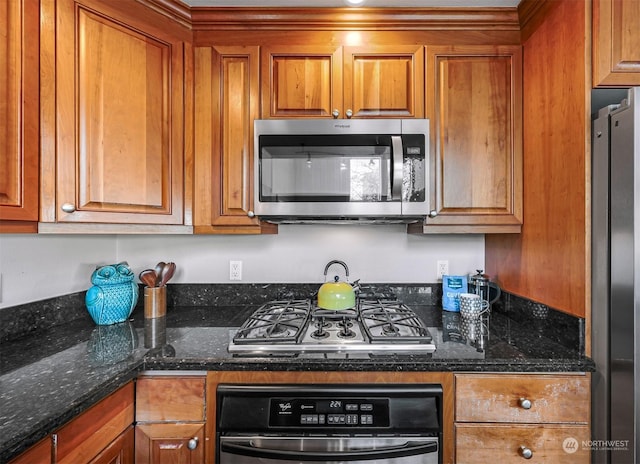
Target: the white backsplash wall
pixel 39 267
pixel 299 253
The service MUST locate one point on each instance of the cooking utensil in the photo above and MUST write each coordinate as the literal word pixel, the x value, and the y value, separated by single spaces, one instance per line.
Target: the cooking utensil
pixel 148 277
pixel 167 272
pixel 336 295
pixel 159 267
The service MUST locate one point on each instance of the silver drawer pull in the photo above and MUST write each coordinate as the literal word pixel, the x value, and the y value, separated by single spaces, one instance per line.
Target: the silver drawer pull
pixel 525 403
pixel 525 452
pixel 193 443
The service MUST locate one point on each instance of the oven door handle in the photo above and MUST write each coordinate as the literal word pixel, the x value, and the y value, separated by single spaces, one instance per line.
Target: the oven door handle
pixel 409 448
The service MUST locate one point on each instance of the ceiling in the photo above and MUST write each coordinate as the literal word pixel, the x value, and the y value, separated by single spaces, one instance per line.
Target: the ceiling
pixel 368 3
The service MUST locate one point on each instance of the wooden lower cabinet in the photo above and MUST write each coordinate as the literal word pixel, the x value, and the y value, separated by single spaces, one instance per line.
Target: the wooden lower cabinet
pixel 510 417
pixel 99 435
pixel 40 453
pixel 170 443
pixel 120 451
pixel 170 418
pixel 507 443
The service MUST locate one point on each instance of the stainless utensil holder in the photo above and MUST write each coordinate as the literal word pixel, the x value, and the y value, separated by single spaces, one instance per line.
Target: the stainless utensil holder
pixel 155 302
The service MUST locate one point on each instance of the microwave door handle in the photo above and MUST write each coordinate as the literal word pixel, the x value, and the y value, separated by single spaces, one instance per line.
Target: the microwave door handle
pixel 396 168
pixel 410 448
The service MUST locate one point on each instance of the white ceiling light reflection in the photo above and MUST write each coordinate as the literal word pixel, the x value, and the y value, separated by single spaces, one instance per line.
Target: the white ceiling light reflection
pixel 354 2
pixel 353 38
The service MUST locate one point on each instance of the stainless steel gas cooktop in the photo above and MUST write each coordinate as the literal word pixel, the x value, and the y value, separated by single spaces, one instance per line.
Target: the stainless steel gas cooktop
pixel 293 327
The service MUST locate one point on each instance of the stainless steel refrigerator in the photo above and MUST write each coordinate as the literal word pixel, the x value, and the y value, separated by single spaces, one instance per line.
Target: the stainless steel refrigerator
pixel 616 282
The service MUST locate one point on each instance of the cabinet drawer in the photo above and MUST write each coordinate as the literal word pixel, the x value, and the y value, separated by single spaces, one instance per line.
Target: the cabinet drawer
pixel 483 443
pixel 91 432
pixel 170 398
pixel 497 398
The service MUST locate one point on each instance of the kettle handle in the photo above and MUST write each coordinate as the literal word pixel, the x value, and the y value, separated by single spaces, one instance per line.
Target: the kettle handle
pixel 336 261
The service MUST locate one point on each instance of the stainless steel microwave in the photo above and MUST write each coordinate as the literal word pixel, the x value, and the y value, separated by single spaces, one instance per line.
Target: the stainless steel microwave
pixel 372 170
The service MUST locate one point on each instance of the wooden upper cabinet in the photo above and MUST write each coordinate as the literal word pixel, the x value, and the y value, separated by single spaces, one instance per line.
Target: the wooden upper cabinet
pixel 19 32
pixel 616 43
pixel 342 82
pixel 301 81
pixel 384 81
pixel 227 93
pixel 474 103
pixel 118 147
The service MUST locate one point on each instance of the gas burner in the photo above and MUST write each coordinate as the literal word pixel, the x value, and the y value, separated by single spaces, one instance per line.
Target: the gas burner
pixel 390 329
pixel 346 333
pixel 321 323
pixel 320 334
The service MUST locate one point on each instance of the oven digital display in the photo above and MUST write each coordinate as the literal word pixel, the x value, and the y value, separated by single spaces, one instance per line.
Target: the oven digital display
pixel 329 412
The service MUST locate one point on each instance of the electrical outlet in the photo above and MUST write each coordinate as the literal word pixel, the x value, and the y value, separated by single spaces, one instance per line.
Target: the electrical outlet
pixel 443 268
pixel 235 270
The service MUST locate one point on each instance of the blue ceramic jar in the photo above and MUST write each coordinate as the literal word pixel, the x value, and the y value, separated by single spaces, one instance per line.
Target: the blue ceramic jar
pixel 113 295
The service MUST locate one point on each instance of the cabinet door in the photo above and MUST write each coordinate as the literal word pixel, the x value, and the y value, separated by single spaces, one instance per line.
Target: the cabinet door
pixel 170 443
pixel 226 104
pixel 86 436
pixel 474 101
pixel 120 451
pixel 19 32
pixel 616 43
pixel 301 82
pixel 384 81
pixel 119 117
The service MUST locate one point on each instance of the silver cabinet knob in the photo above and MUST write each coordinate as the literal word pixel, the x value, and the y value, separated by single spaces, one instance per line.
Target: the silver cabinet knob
pixel 251 214
pixel 525 452
pixel 193 443
pixel 349 113
pixel 525 403
pixel 433 213
pixel 335 113
pixel 68 207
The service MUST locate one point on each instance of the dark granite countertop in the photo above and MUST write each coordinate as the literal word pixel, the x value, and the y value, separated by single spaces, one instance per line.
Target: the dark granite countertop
pixel 49 377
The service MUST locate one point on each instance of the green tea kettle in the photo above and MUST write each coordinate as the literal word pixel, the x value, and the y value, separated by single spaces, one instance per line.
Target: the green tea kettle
pixel 336 295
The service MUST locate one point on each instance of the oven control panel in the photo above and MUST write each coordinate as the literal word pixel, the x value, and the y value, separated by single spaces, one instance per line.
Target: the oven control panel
pixel 329 412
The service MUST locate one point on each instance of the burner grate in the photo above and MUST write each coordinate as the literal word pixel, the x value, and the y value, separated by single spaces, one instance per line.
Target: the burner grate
pixel 276 321
pixel 386 320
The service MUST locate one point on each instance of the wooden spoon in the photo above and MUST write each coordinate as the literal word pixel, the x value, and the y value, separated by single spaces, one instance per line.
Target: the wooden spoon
pixel 159 268
pixel 148 277
pixel 167 273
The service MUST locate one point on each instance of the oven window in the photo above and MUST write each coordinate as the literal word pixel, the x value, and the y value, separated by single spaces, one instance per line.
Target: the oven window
pixel 350 168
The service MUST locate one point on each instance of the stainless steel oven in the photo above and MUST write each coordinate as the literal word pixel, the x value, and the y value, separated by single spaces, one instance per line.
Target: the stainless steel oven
pixel 299 424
